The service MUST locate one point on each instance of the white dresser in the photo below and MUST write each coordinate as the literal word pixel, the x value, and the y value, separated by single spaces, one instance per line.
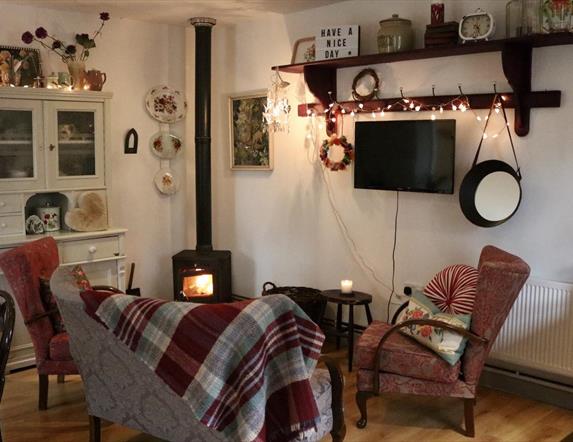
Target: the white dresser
pixel 54 145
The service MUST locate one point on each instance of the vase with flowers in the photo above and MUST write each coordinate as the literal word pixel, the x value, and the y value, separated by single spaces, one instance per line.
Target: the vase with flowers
pixel 73 55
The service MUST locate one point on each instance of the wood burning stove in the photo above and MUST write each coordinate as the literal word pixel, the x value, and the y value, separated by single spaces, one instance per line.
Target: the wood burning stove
pixel 203 274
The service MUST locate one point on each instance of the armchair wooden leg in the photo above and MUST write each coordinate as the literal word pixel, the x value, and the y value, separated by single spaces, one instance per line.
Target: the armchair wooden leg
pixel 43 392
pixel 361 398
pixel 338 431
pixel 95 429
pixel 61 378
pixel 469 416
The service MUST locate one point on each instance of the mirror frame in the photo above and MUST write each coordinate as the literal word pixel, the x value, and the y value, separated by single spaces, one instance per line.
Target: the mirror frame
pixel 470 185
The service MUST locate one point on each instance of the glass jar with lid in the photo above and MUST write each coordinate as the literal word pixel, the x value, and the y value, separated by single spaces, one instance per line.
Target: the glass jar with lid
pixel 395 35
pixel 523 17
pixel 557 15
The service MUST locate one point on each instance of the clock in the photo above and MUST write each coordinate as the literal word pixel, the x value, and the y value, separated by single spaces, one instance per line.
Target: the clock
pixel 476 26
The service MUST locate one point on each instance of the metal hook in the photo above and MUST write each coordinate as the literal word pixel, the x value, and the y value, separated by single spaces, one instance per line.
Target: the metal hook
pixel 402 93
pixel 460 89
pixel 495 87
pixel 434 90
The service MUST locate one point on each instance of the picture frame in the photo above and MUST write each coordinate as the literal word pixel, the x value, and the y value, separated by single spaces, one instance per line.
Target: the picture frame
pixel 304 50
pixel 30 66
pixel 251 145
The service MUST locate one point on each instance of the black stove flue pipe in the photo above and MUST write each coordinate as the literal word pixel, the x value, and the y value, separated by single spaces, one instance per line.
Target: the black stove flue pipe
pixel 203 27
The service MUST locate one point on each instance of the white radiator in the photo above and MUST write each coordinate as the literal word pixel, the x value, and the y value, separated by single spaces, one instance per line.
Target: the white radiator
pixel 537 337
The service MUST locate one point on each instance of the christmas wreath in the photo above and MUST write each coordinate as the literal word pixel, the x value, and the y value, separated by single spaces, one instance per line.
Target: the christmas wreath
pixel 348 153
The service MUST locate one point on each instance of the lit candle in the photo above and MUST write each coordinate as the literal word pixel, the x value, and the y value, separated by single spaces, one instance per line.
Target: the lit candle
pixel 346 286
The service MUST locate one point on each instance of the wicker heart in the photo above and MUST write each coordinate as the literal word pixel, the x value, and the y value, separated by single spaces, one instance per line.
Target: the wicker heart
pixel 90 215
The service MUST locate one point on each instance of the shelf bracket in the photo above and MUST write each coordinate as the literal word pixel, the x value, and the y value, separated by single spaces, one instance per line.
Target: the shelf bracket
pixel 320 81
pixel 516 60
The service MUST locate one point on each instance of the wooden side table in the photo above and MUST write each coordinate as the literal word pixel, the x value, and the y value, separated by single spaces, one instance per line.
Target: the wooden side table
pixel 355 298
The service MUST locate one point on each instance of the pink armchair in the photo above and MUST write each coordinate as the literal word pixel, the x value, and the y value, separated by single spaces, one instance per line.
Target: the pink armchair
pixel 390 362
pixel 23 268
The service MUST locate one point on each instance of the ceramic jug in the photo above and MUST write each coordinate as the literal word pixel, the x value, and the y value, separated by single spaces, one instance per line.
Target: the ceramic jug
pixel 96 79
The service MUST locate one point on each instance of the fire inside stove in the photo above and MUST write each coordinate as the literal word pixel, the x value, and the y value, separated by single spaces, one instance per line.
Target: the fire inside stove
pixel 198 285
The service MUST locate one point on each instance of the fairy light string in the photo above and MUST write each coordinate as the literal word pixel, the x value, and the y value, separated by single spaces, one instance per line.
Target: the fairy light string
pixel 335 112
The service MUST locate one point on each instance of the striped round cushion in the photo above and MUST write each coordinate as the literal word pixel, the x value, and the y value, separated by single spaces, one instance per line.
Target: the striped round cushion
pixel 453 289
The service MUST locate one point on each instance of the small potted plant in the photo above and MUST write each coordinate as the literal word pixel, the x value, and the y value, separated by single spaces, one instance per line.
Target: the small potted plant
pixel 73 55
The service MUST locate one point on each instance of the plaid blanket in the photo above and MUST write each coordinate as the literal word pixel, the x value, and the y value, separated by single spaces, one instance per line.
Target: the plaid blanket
pixel 243 368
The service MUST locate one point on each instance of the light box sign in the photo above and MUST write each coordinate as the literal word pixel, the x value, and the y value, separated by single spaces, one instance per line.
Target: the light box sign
pixel 337 42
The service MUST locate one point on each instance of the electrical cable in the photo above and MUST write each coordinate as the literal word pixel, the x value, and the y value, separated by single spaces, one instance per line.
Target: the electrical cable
pixel 346 234
pixel 393 256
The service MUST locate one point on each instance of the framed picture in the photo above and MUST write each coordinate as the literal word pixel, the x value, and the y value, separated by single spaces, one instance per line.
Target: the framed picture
pixel 304 50
pixel 19 66
pixel 251 147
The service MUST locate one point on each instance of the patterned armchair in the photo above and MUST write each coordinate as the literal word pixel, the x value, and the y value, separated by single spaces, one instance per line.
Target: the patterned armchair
pixel 7 317
pixel 23 267
pixel 390 362
pixel 120 388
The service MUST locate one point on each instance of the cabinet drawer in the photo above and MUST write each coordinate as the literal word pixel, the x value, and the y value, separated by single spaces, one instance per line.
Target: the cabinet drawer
pixel 11 225
pixel 10 203
pixel 88 249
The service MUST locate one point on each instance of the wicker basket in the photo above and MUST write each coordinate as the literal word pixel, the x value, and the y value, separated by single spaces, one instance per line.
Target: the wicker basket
pixel 309 299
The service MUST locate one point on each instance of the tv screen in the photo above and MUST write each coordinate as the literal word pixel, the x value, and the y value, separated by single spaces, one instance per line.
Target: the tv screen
pixel 414 155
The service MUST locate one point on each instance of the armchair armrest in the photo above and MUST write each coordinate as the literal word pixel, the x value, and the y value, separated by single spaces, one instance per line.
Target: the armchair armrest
pixel 107 288
pixel 439 324
pixel 398 311
pixel 337 383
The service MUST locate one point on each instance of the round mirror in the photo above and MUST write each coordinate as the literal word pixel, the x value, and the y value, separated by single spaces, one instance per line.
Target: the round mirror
pixel 497 196
pixel 490 193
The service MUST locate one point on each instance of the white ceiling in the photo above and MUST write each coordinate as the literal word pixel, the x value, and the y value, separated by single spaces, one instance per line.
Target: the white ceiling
pixel 177 12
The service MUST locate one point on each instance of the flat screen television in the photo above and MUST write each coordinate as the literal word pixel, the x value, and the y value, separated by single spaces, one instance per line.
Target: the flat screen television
pixel 413 155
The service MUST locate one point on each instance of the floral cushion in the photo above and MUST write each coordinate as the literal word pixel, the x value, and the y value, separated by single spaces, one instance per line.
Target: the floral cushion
pixel 51 307
pixel 80 278
pixel 448 345
pixel 403 356
pixel 453 289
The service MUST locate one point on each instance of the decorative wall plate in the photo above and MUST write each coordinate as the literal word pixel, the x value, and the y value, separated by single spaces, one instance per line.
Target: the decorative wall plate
pixel 165 145
pixel 166 181
pixel 165 104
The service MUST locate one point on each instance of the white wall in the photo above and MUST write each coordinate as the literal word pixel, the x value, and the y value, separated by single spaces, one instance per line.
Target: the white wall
pixel 136 56
pixel 280 226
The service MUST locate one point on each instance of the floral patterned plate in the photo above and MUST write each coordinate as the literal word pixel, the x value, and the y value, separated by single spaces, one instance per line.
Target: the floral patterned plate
pixel 165 145
pixel 165 104
pixel 166 181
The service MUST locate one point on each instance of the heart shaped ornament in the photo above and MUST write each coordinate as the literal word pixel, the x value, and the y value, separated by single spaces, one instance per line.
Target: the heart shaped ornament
pixel 90 215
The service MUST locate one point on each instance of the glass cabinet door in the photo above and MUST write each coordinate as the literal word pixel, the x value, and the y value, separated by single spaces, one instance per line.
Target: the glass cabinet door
pixel 21 154
pixel 75 133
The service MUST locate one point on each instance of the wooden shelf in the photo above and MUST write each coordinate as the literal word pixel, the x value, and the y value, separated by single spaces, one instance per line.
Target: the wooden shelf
pixel 76 142
pixel 535 41
pixel 13 142
pixel 516 57
pixel 477 101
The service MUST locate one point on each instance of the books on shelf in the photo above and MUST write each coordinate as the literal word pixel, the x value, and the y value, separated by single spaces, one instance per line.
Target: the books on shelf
pixel 445 34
